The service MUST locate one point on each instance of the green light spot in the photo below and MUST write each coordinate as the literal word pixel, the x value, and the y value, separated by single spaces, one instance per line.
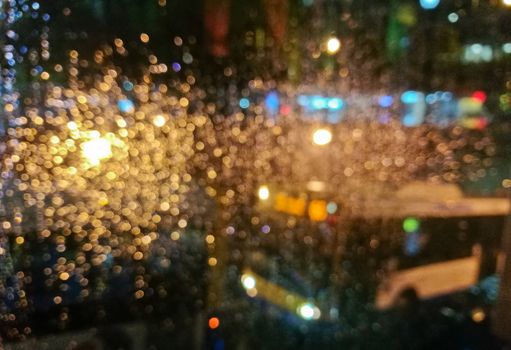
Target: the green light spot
pixel 411 225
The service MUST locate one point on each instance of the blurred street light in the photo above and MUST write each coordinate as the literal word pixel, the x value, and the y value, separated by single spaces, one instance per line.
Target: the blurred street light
pixel 263 193
pixel 322 137
pixel 506 3
pixel 248 281
pixel 96 149
pixel 159 121
pixel 333 45
pixel 308 311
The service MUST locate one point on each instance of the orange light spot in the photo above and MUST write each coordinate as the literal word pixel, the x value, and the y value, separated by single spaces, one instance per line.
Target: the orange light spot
pixel 214 322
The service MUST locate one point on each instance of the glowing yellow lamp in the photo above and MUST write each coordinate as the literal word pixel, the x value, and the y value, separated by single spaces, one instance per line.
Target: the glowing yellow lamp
pixel 96 149
pixel 159 121
pixel 322 137
pixel 263 193
pixel 333 45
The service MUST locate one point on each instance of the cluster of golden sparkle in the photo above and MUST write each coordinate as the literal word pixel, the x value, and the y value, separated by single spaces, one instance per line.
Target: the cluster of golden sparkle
pixel 109 171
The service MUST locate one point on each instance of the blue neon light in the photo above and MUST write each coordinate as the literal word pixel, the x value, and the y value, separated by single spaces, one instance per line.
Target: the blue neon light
pixel 429 4
pixel 126 105
pixel 303 100
pixel 410 120
pixel 412 244
pixel 410 97
pixel 272 102
pixel 430 99
pixel 447 96
pixel 335 103
pixel 244 103
pixel 385 101
pixel 318 102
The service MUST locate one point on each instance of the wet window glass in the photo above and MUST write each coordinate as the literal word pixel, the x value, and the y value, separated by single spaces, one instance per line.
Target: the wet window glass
pixel 263 174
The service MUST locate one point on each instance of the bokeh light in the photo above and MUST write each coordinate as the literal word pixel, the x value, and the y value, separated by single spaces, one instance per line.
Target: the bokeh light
pixel 263 192
pixel 333 45
pixel 96 149
pixel 411 225
pixel 322 137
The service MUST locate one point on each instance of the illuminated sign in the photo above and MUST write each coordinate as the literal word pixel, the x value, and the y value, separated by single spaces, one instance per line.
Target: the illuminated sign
pixel 290 205
pixel 415 107
pixel 316 209
pixel 471 111
pixel 318 102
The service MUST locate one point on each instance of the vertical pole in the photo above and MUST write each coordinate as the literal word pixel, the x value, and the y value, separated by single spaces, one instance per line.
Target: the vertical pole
pixel 428 30
pixel 502 322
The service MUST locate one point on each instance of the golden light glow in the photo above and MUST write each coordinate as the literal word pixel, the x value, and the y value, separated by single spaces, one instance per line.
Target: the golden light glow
pixel 72 126
pixel 214 323
pixel 252 292
pixel 333 45
pixel 506 3
pixel 308 311
pixel 291 205
pixel 96 149
pixel 322 137
pixel 144 37
pixel 317 210
pixel 263 193
pixel 248 281
pixel 159 121
pixel 478 315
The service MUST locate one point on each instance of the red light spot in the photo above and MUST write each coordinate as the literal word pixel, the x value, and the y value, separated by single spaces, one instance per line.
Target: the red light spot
pixel 332 220
pixel 214 322
pixel 482 123
pixel 480 96
pixel 285 109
